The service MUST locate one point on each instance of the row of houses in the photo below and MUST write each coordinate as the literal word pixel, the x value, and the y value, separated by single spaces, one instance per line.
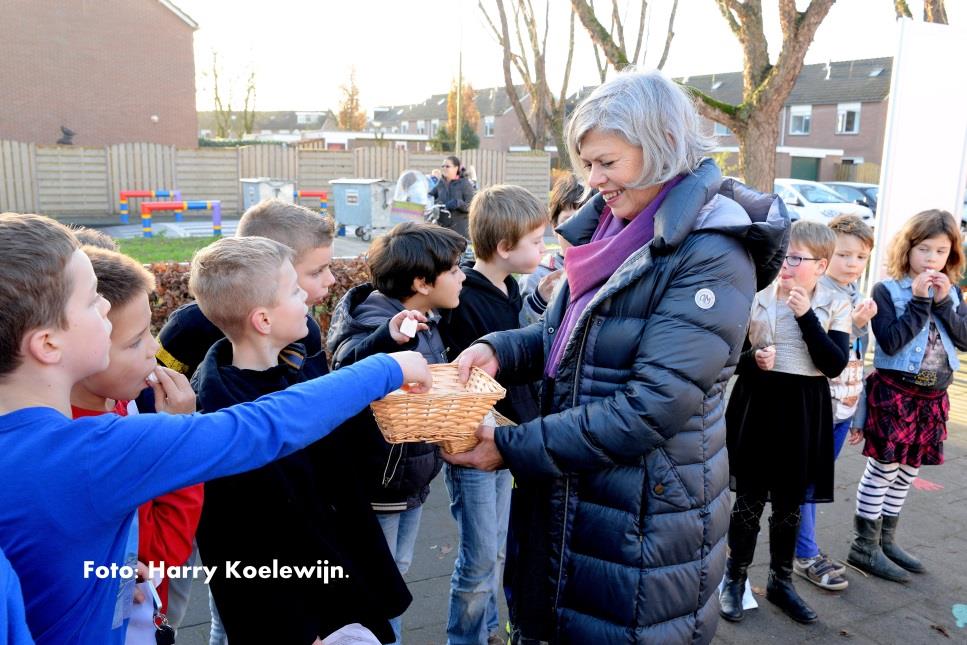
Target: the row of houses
pixel 102 84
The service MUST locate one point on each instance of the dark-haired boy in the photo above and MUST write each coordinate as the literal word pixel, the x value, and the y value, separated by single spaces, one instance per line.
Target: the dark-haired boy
pixel 414 268
pixel 507 229
pixel 72 488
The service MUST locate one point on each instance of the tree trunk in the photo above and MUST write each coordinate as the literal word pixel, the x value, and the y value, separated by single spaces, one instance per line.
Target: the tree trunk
pixel 757 149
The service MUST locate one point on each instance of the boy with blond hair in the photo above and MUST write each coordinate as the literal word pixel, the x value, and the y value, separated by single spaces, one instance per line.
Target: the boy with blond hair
pixel 854 244
pixel 165 526
pixel 73 487
pixel 248 287
pixel 507 229
pixel 187 334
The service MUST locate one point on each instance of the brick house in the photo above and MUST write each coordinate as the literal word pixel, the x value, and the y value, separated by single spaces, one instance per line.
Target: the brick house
pixel 113 71
pixel 498 129
pixel 835 115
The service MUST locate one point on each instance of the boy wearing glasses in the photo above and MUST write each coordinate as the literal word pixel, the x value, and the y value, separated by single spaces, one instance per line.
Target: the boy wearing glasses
pixel 779 417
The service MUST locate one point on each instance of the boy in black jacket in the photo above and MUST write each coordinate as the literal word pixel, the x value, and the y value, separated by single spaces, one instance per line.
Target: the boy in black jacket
pixel 285 514
pixel 507 226
pixel 415 272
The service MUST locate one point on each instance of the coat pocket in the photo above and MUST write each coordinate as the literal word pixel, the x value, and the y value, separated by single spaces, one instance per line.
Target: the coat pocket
pixel 665 491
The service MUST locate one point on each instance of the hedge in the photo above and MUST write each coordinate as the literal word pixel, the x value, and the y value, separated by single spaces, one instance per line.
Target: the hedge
pixel 172 289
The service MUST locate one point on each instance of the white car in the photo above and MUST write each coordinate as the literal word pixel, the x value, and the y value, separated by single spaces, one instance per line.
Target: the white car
pixel 813 201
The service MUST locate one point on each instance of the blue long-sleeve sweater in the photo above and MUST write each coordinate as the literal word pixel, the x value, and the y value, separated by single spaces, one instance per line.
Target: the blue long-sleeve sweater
pixel 71 488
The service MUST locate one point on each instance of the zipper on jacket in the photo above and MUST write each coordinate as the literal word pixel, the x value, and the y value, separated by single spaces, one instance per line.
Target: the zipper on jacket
pixel 567 478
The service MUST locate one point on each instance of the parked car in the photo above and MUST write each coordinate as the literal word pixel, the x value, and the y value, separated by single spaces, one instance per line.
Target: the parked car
pixel 865 194
pixel 813 201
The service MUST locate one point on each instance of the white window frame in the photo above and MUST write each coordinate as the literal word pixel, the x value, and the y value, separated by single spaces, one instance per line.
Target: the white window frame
pixel 434 126
pixel 421 127
pixel 404 127
pixel 842 110
pixel 804 113
pixel 489 122
pixel 720 130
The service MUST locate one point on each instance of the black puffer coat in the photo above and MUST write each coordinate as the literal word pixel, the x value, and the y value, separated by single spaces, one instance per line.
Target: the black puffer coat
pixel 628 468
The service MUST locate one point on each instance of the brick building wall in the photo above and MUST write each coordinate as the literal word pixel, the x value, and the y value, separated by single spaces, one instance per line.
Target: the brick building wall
pixel 101 68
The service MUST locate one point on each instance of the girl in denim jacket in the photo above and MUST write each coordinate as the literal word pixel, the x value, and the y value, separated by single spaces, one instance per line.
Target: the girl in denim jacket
pixel 920 325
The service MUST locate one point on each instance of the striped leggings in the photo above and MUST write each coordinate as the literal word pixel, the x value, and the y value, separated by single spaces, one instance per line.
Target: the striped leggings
pixel 883 488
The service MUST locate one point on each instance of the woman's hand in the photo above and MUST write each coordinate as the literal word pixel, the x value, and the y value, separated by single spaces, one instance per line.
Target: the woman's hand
pixel 941 286
pixel 484 456
pixel 172 391
pixel 798 301
pixel 765 358
pixel 921 284
pixel 855 436
pixel 863 312
pixel 397 329
pixel 477 355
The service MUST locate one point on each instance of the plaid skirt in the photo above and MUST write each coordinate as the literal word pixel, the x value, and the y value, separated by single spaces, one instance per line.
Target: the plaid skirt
pixel 904 424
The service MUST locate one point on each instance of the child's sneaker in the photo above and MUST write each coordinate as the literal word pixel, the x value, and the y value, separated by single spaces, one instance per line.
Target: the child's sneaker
pixel 821 572
pixel 839 569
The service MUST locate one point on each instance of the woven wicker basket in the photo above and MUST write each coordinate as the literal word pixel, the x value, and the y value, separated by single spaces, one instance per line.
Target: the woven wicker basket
pixel 449 413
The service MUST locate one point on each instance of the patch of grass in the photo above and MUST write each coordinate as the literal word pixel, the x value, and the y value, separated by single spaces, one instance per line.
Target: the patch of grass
pixel 163 249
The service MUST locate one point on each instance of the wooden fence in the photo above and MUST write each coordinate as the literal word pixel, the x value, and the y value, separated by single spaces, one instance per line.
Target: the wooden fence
pixel 867 173
pixel 70 180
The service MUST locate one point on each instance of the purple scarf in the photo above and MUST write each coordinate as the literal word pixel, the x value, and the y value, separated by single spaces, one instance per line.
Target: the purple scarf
pixel 590 265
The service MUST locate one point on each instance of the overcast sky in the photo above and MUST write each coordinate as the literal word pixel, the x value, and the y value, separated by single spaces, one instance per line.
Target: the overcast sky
pixel 405 50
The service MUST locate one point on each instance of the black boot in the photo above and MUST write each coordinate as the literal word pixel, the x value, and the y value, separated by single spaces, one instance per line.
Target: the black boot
pixel 782 548
pixel 866 555
pixel 893 550
pixel 730 598
pixel 743 532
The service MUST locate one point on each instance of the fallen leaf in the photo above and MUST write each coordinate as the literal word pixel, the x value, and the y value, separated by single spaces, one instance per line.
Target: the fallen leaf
pixel 432 547
pixel 759 591
pixel 845 634
pixel 941 629
pixel 446 548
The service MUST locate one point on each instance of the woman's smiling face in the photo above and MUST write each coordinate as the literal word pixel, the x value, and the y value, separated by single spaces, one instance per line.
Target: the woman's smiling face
pixel 612 164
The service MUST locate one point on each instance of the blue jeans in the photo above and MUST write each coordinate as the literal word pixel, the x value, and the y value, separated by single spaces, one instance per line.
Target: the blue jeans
pixel 217 635
pixel 806 546
pixel 480 503
pixel 400 530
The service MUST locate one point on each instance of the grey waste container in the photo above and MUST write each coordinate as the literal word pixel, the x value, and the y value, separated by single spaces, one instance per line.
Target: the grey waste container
pixel 362 204
pixel 256 189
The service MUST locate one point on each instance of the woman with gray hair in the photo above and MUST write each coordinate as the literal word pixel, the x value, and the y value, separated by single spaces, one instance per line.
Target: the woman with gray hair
pixel 623 502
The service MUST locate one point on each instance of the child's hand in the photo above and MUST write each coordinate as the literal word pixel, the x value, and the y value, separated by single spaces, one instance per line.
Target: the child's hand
pixel 941 286
pixel 798 301
pixel 140 577
pixel 398 321
pixel 921 284
pixel 863 312
pixel 416 373
pixel 855 436
pixel 548 282
pixel 172 392
pixel 765 358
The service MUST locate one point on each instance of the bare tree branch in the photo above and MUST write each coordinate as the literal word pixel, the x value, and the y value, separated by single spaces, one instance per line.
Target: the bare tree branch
pixel 509 80
pixel 669 36
pixel 618 28
pixel 599 35
pixel 641 31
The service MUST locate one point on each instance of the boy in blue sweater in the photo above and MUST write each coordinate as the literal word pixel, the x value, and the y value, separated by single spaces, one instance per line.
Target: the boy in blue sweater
pixel 72 488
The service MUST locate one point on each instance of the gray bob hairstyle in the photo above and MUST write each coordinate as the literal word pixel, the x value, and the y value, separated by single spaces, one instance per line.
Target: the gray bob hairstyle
pixel 649 110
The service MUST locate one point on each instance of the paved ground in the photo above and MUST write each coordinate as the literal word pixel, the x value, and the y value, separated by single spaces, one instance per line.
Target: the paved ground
pixel 871 611
pixel 934 527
